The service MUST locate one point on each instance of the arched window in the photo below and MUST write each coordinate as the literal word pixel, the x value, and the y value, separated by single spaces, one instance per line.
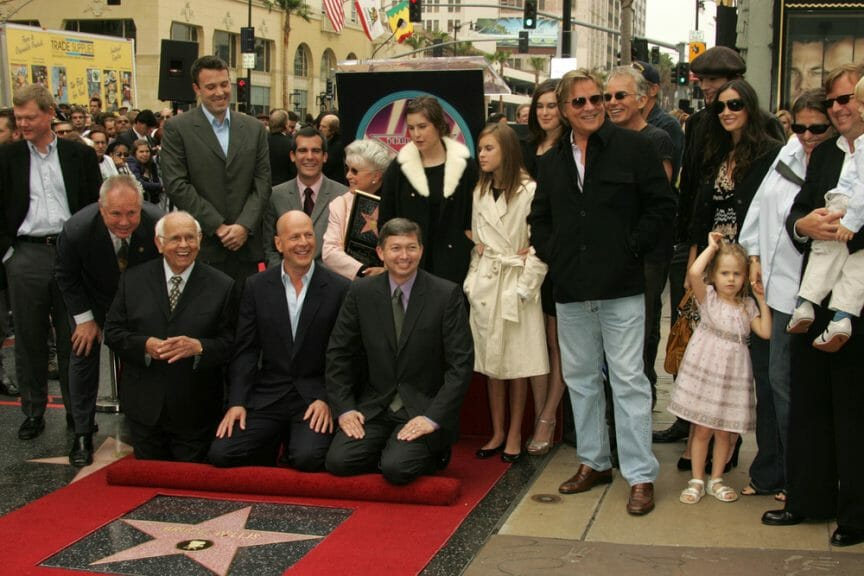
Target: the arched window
pixel 301 61
pixel 328 64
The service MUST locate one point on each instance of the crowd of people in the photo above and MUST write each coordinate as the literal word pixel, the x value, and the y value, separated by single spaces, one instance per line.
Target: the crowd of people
pixel 540 265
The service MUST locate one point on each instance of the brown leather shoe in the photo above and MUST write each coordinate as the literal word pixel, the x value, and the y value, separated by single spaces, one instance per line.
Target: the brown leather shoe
pixel 641 499
pixel 585 479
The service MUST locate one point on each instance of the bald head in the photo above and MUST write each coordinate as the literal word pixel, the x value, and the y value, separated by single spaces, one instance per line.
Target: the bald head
pixel 178 238
pixel 295 240
pixel 329 126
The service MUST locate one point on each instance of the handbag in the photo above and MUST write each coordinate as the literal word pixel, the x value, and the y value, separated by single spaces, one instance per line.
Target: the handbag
pixel 682 330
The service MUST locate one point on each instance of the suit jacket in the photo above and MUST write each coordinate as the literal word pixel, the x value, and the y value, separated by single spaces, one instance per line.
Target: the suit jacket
pixel 264 331
pixel 823 173
pixel 81 176
pixel 287 196
pixel 282 168
pixel 216 189
pixel 430 366
pixel 86 267
pixel 190 389
pixel 128 137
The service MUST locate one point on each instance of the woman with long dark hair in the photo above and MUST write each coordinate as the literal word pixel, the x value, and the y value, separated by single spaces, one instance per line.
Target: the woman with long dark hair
pixel 430 183
pixel 739 150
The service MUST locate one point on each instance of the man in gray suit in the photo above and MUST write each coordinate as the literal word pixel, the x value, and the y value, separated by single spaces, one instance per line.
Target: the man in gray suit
pixel 310 192
pixel 216 165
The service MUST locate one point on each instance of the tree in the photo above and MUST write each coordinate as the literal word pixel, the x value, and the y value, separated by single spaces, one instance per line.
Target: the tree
pixel 538 64
pixel 288 7
pixel 416 41
pixel 498 57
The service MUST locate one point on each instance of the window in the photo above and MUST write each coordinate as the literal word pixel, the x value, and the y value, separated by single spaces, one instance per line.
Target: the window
pixel 263 50
pixel 328 64
pixel 118 28
pixel 301 61
pixel 260 100
pixel 184 32
pixel 225 47
pixel 300 99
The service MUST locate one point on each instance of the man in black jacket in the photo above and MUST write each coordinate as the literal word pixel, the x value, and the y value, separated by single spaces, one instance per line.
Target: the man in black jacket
pixel 602 199
pixel 43 181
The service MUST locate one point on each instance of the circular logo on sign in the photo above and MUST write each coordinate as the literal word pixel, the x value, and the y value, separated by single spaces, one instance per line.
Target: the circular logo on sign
pixel 385 121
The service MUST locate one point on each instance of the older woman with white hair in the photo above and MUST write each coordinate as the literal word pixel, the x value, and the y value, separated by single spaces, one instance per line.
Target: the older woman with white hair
pixel 365 163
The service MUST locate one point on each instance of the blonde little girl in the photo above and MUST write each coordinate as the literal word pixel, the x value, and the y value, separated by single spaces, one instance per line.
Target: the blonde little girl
pixel 714 388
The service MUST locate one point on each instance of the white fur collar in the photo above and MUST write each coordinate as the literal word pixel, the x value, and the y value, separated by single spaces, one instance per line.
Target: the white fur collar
pixel 454 165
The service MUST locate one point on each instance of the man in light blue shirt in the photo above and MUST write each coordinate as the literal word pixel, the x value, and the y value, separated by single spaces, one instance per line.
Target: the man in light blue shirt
pixel 286 315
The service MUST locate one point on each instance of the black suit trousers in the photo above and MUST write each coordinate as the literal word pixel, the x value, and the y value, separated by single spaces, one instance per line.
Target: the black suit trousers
pixel 824 464
pixel 279 424
pixel 84 387
pixel 35 297
pixel 399 461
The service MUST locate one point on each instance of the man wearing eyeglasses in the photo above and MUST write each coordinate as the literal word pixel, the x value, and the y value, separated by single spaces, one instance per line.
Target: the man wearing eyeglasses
pixel 311 192
pixel 43 181
pixel 172 323
pixel 602 200
pixel 823 459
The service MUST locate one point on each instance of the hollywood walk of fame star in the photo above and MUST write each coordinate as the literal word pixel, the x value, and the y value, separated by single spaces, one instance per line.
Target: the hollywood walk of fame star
pixel 211 543
pixel 109 452
pixel 371 224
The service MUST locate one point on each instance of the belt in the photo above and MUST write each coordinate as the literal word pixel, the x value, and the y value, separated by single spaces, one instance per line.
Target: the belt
pixel 50 240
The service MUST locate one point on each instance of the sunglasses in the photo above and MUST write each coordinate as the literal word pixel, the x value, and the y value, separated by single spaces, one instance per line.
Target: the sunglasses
pixel 594 99
pixel 815 129
pixel 62 132
pixel 734 105
pixel 842 100
pixel 620 95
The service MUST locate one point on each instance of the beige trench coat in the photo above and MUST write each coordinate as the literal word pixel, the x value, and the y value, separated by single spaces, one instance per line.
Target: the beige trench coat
pixel 503 289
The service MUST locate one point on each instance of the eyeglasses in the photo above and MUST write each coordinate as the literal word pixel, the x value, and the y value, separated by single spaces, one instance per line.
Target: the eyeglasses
pixel 734 105
pixel 814 129
pixel 620 95
pixel 842 100
pixel 120 154
pixel 354 171
pixel 180 238
pixel 62 132
pixel 594 99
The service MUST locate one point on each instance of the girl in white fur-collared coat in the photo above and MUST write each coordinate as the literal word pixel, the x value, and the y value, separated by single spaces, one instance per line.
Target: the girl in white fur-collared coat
pixel 503 287
pixel 431 183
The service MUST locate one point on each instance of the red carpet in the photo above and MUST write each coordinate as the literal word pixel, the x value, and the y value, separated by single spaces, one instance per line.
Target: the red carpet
pixel 430 490
pixel 378 539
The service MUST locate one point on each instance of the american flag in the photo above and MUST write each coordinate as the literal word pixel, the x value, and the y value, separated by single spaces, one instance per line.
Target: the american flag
pixel 335 13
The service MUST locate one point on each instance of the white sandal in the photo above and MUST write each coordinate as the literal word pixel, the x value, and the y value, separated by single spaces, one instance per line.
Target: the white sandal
pixel 721 491
pixel 694 492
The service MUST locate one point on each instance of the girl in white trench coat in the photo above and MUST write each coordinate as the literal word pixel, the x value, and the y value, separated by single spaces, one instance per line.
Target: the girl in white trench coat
pixel 503 287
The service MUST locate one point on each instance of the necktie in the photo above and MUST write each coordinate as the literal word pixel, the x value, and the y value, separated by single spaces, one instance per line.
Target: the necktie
pixel 123 255
pixel 308 203
pixel 174 293
pixel 398 319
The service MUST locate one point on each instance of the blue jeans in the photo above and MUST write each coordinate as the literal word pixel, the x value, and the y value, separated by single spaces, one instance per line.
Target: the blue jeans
pixel 617 327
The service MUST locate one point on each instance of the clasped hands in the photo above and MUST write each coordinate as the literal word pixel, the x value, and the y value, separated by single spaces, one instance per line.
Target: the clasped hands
pixel 173 349
pixel 823 224
pixel 352 423
pixel 232 236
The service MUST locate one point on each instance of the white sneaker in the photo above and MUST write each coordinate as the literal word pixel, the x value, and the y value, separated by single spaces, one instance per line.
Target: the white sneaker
pixel 834 336
pixel 802 318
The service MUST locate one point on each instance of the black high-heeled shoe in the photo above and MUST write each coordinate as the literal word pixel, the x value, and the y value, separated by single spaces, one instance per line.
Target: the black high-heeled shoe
pixel 733 461
pixel 484 453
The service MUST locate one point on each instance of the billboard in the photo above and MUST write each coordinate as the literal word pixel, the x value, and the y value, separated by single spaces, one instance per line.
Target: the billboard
pixel 505 31
pixel 814 41
pixel 73 66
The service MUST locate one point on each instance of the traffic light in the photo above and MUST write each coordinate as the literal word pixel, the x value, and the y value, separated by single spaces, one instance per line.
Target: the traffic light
pixel 682 73
pixel 529 16
pixel 640 49
pixel 415 11
pixel 655 55
pixel 523 42
pixel 242 89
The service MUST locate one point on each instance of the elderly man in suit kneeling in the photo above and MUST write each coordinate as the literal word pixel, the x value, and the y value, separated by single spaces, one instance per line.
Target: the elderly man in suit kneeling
pixel 172 324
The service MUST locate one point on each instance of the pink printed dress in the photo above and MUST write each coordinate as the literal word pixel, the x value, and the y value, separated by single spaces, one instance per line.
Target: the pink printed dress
pixel 714 386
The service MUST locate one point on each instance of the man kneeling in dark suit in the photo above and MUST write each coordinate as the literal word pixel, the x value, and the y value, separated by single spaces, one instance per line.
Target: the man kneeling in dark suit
pixel 286 315
pixel 411 330
pixel 172 324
